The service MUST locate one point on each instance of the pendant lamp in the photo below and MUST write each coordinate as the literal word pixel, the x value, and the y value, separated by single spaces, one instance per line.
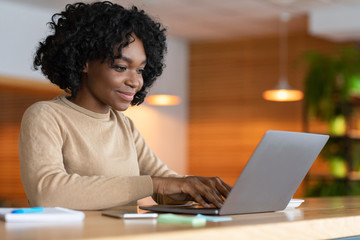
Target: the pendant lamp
pixel 162 95
pixel 163 100
pixel 283 92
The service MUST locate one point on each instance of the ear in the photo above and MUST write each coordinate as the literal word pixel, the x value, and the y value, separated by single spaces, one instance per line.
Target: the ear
pixel 86 68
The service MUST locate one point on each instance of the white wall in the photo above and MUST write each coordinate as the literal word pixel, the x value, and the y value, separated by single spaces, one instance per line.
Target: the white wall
pixel 21 28
pixel 164 128
pixel 340 23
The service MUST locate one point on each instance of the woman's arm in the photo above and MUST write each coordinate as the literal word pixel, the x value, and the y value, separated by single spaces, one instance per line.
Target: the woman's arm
pixel 46 180
pixel 171 188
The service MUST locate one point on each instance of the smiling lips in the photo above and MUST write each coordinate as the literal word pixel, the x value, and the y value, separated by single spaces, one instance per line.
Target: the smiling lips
pixel 127 96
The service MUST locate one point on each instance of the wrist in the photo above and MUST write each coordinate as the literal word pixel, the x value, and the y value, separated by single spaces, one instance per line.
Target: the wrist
pixel 155 183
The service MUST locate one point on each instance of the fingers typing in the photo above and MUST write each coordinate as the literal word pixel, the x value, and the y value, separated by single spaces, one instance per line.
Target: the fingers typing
pixel 203 190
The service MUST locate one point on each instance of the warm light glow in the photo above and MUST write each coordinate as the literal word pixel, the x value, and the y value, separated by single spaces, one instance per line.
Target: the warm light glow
pixel 283 95
pixel 163 100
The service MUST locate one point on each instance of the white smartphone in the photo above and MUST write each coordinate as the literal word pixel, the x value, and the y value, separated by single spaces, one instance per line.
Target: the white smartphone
pixel 125 215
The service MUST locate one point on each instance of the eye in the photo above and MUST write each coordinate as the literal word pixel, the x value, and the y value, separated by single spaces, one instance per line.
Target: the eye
pixel 140 71
pixel 119 68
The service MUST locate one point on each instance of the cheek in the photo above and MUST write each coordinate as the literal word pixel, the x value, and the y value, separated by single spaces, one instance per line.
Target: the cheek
pixel 100 80
pixel 141 81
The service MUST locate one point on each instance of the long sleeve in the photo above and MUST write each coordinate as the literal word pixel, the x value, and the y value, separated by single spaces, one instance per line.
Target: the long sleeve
pixel 151 165
pixel 59 169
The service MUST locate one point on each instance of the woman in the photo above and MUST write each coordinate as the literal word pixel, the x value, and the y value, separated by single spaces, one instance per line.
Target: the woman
pixel 79 151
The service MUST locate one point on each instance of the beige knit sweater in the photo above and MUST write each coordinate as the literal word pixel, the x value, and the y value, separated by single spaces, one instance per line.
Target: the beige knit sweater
pixel 75 158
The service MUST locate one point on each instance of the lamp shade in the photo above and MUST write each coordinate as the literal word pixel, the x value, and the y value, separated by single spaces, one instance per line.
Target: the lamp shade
pixel 283 93
pixel 163 100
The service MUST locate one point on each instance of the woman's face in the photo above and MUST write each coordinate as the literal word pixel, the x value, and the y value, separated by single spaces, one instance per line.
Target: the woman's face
pixel 105 85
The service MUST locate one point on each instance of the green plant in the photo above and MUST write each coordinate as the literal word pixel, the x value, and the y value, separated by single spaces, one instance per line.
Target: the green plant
pixel 331 85
pixel 334 188
pixel 331 81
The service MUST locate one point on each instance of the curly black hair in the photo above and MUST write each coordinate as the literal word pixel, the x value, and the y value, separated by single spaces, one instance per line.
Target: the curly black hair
pixel 85 32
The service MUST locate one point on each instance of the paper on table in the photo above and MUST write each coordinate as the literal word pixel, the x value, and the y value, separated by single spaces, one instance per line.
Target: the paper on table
pixel 294 203
pixel 56 214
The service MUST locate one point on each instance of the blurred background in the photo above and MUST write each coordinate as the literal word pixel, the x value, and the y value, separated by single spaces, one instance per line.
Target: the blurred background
pixel 222 58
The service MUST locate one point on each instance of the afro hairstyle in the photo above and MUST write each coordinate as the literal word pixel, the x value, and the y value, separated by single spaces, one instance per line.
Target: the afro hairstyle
pixel 85 32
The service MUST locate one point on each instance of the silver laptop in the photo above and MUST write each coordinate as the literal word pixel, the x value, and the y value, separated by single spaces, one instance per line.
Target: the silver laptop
pixel 269 179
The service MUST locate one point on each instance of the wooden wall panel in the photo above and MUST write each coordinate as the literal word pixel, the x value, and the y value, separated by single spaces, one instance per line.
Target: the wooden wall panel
pixel 227 115
pixel 16 95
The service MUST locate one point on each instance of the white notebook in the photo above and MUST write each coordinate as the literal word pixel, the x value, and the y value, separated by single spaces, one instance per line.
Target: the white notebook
pixel 55 214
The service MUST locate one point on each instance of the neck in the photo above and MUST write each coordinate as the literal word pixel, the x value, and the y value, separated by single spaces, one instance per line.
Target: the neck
pixel 89 104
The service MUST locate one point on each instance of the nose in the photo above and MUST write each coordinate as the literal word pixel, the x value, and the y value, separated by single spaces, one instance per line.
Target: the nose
pixel 134 80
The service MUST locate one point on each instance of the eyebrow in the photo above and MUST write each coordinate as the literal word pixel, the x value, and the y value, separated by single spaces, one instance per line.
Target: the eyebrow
pixel 130 60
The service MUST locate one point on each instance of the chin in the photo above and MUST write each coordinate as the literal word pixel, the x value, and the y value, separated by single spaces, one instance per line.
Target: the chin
pixel 121 108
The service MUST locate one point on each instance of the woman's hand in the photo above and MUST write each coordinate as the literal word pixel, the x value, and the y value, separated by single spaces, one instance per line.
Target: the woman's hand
pixel 203 190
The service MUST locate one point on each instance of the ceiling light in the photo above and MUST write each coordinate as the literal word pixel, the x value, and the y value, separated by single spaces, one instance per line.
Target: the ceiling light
pixel 283 92
pixel 163 100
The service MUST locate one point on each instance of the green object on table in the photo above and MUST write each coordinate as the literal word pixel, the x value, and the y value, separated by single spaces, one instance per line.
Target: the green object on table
pixel 215 218
pixel 173 218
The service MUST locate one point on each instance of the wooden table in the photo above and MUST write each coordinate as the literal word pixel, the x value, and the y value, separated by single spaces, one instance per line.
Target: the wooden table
pixel 317 218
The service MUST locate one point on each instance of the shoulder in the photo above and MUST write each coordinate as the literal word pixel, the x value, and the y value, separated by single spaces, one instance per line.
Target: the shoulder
pixel 40 111
pixel 40 108
pixel 122 117
pixel 125 120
